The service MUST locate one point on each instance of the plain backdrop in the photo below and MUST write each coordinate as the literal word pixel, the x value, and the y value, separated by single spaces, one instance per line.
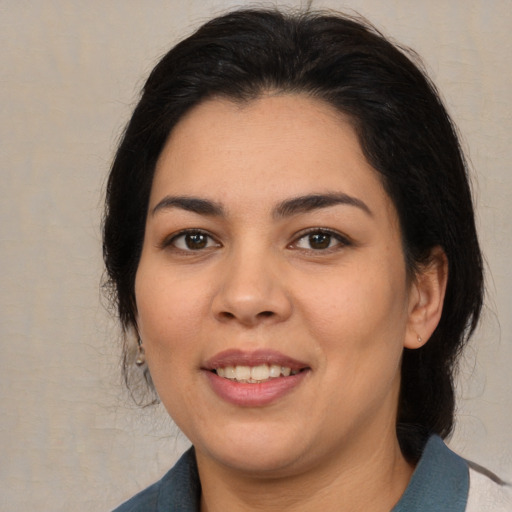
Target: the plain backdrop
pixel 70 438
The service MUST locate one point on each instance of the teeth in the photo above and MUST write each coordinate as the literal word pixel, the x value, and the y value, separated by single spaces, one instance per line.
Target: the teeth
pixel 261 372
pixel 254 374
pixel 242 372
pixel 275 371
pixel 230 372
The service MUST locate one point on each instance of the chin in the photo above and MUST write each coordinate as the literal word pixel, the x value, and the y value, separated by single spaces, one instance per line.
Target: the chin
pixel 265 463
pixel 257 450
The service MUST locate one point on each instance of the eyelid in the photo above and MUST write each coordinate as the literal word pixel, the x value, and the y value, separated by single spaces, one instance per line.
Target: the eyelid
pixel 343 240
pixel 169 240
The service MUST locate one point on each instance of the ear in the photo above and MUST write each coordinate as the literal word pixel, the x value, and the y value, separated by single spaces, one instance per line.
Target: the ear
pixel 426 299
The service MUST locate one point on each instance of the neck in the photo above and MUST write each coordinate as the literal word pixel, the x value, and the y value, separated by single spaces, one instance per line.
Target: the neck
pixel 367 476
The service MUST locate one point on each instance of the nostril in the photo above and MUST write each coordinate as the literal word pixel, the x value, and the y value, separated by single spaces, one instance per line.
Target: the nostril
pixel 266 314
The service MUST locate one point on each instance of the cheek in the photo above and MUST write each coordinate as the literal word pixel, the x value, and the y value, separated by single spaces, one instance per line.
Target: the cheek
pixel 168 320
pixel 358 318
pixel 364 299
pixel 360 332
pixel 168 313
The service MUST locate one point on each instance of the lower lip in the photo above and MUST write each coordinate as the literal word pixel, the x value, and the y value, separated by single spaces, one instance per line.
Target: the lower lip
pixel 254 395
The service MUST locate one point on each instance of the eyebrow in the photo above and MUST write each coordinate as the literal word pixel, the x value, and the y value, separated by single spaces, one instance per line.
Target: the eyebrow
pixel 190 204
pixel 311 202
pixel 294 206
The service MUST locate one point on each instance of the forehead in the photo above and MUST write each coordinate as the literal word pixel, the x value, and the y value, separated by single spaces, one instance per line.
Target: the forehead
pixel 264 150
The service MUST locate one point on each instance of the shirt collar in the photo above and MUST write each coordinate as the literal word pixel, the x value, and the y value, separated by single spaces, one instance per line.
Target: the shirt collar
pixel 440 481
pixel 180 489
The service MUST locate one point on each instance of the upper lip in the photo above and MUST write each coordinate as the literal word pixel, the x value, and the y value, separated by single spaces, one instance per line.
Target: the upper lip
pixel 236 357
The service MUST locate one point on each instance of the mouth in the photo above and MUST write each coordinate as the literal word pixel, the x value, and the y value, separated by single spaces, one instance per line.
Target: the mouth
pixel 255 374
pixel 254 379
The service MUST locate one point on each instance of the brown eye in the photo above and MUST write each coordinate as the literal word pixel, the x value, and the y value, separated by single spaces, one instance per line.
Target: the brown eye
pixel 319 240
pixel 193 241
pixel 196 241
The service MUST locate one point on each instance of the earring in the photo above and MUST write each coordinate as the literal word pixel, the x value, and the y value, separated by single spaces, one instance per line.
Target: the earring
pixel 420 340
pixel 141 356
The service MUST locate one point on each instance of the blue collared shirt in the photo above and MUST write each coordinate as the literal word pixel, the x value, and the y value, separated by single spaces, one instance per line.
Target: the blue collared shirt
pixel 440 483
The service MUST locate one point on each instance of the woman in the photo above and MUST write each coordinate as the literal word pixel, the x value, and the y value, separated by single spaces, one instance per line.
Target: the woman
pixel 290 238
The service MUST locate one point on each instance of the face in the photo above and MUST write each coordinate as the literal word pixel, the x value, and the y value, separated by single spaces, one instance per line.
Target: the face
pixel 272 295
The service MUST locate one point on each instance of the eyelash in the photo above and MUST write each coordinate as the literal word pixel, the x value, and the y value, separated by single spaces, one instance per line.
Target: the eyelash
pixel 171 241
pixel 341 240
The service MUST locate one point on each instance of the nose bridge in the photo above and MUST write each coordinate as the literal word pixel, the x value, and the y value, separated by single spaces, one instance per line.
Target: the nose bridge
pixel 251 288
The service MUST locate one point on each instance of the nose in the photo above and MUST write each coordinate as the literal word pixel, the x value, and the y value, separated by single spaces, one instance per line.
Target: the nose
pixel 251 291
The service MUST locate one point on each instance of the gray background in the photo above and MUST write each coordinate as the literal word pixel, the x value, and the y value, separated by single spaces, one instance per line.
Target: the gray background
pixel 70 439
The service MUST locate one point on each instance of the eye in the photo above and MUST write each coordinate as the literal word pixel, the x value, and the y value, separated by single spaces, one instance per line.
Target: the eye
pixel 320 240
pixel 192 241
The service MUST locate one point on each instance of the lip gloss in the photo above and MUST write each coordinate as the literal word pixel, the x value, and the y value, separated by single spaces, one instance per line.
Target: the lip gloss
pixel 254 395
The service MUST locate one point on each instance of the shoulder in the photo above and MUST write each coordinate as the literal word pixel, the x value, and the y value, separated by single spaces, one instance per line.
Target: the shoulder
pixel 487 492
pixel 178 491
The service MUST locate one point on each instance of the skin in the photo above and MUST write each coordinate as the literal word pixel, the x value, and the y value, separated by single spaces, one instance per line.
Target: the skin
pixel 346 309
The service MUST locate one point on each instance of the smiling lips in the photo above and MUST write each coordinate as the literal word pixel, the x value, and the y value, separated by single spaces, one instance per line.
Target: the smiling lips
pixel 253 379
